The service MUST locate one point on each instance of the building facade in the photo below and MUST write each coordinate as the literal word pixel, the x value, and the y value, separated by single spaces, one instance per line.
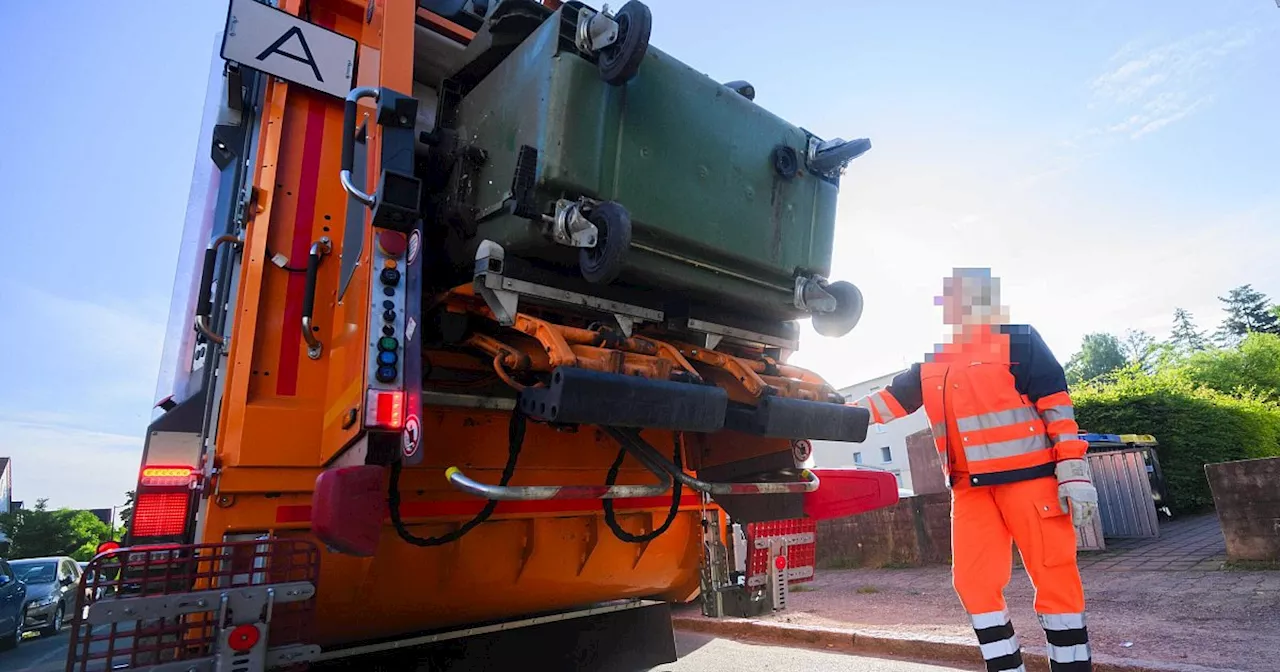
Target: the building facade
pixel 6 491
pixel 886 445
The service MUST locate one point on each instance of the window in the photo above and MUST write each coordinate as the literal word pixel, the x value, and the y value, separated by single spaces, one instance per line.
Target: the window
pixel 857 458
pixel 879 428
pixel 897 475
pixel 886 454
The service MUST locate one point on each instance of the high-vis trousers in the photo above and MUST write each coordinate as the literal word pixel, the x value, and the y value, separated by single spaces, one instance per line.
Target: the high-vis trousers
pixel 984 522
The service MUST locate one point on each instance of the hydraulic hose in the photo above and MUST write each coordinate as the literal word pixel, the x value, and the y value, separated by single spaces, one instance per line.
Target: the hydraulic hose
pixel 515 440
pixel 677 491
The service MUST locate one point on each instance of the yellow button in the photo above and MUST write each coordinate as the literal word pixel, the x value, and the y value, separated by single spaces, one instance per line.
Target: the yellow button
pixel 390 263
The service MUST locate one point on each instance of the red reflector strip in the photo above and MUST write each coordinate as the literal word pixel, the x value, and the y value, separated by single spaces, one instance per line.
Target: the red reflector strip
pixel 159 514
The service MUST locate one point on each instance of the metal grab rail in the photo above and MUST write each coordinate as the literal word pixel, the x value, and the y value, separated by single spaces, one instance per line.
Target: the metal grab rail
pixel 204 298
pixel 349 142
pixel 631 441
pixel 318 250
pixel 544 492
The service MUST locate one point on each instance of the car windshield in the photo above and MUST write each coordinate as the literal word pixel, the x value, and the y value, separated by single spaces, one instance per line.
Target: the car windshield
pixel 34 572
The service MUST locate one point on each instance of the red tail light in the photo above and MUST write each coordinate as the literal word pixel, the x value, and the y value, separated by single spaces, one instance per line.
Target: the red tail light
pixel 159 514
pixel 385 409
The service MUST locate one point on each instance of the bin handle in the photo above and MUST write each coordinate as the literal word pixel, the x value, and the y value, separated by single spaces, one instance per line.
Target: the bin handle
pixel 318 250
pixel 349 142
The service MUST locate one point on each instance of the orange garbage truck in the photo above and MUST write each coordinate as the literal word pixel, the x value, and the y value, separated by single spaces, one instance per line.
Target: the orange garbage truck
pixel 478 351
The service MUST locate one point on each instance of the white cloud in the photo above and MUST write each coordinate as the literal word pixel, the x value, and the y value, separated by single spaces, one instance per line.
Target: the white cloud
pixel 55 457
pixel 1154 87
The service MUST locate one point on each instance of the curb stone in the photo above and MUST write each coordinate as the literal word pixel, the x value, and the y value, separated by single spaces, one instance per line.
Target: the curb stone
pixel 936 649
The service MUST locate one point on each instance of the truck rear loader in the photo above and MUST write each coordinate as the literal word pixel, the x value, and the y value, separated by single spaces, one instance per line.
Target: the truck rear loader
pixel 488 340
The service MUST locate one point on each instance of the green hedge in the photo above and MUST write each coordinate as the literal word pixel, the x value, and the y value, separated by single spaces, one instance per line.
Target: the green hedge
pixel 1193 425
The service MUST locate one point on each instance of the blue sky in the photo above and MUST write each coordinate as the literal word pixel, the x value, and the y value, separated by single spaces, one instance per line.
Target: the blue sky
pixel 1109 161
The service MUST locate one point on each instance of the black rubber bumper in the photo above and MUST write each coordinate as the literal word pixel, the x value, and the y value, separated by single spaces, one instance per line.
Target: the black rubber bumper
pixel 797 419
pixel 581 396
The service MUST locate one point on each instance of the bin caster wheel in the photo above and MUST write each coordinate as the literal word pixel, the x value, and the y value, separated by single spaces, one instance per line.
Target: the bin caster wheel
pixel 848 311
pixel 620 61
pixel 602 263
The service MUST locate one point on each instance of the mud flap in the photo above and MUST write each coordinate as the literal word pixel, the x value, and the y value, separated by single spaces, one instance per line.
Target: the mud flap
pixel 347 508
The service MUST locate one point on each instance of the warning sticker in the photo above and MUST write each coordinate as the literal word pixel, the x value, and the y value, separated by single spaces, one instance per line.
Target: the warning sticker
pixel 412 436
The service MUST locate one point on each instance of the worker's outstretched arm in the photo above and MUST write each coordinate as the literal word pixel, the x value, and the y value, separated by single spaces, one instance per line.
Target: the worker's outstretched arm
pixel 1039 376
pixel 898 400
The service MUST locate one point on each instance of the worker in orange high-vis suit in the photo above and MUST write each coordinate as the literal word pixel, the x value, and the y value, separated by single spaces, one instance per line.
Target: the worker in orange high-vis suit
pixel 1004 427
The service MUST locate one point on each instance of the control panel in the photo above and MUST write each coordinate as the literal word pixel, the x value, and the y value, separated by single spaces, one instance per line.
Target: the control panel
pixel 385 406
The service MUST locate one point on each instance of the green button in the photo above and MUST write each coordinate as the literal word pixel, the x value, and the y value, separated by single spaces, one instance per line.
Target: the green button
pixel 388 343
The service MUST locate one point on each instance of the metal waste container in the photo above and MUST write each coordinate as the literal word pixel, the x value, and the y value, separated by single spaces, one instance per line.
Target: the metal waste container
pixel 1123 473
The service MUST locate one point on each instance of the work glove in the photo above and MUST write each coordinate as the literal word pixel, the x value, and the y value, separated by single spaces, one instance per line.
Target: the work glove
pixel 1076 493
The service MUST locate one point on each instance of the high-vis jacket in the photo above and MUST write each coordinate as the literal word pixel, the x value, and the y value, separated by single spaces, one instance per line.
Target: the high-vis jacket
pixel 998 404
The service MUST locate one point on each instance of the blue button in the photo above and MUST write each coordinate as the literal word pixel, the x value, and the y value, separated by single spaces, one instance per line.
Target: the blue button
pixel 387 358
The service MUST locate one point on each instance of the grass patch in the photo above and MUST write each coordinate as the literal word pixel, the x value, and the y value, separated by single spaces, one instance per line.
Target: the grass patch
pixel 1251 565
pixel 868 590
pixel 803 588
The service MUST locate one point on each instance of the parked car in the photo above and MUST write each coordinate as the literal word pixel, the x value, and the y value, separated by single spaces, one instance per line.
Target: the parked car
pixel 52 584
pixel 13 598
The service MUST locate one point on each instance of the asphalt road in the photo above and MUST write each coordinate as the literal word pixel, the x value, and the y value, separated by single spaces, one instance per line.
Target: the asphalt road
pixel 702 653
pixel 698 653
pixel 37 654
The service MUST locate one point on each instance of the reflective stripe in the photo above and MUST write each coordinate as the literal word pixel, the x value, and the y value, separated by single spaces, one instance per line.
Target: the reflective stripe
pixel 1066 437
pixel 1059 413
pixel 1067 654
pixel 1062 621
pixel 866 403
pixel 1004 647
pixel 990 619
pixel 881 407
pixel 995 451
pixel 975 423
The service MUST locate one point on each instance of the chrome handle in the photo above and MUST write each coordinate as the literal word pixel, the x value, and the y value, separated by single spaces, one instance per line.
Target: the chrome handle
pixel 349 142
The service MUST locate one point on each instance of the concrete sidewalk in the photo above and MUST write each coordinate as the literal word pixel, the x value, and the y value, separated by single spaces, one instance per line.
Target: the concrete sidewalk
pixel 1170 620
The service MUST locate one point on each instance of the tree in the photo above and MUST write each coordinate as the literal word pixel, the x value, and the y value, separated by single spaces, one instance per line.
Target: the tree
pixel 1186 338
pixel 126 514
pixel 39 532
pixel 1248 311
pixel 1139 348
pixel 1099 354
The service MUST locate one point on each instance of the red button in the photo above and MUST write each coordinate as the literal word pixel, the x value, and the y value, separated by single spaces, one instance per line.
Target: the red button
pixel 392 244
pixel 780 562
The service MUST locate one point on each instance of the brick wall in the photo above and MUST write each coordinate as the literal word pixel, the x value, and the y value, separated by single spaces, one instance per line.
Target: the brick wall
pixel 1248 503
pixel 915 531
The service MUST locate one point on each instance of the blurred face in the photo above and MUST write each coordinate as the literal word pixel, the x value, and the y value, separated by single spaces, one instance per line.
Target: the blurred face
pixel 970 298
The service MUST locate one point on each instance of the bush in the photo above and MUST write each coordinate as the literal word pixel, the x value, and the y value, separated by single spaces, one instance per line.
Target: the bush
pixel 1193 424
